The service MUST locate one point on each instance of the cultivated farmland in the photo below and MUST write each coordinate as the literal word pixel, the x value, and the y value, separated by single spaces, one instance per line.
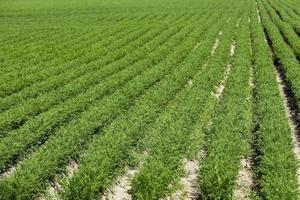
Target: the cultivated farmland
pixel 149 99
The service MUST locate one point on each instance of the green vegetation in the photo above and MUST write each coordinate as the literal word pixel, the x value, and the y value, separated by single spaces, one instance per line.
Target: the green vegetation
pixel 115 85
pixel 277 164
pixel 230 132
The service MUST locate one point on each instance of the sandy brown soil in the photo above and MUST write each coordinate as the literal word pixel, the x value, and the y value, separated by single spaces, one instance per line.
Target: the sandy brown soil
pixel 244 181
pixel 8 173
pixel 120 190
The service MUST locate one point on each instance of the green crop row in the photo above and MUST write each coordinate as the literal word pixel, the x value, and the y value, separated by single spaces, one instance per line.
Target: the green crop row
pixel 21 36
pixel 229 137
pixel 276 162
pixel 58 76
pixel 168 141
pixel 18 115
pixel 69 137
pixel 283 53
pixel 63 37
pixel 121 140
pixel 38 76
pixel 285 15
pixel 68 50
pixel 76 49
pixel 28 79
pixel 104 83
pixel 36 130
pixel 289 10
pixel 292 6
pixel 40 56
pixel 288 33
pixel 39 53
pixel 42 103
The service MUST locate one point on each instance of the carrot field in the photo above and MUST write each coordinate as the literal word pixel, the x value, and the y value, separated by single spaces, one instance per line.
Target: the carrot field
pixel 149 99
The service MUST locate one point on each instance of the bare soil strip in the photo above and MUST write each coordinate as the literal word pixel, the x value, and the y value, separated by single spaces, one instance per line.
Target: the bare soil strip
pixel 290 105
pixel 189 83
pixel 52 192
pixel 232 49
pixel 238 22
pixel 55 188
pixel 251 77
pixel 12 169
pixel 219 90
pixel 120 190
pixel 8 173
pixel 214 47
pixel 188 182
pixel 244 182
pixel 216 44
pixel 258 14
pixel 196 46
pixel 259 19
pixel 72 167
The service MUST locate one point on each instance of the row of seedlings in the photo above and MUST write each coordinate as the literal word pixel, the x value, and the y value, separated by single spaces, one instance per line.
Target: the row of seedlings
pixel 90 62
pixel 58 149
pixel 38 129
pixel 16 116
pixel 275 163
pixel 168 144
pixel 288 33
pixel 228 139
pixel 120 140
pixel 283 55
pixel 284 15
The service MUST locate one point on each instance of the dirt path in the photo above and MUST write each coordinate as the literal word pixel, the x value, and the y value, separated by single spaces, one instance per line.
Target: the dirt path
pixel 120 190
pixel 71 168
pixel 54 189
pixel 220 89
pixel 52 192
pixel 8 173
pixel 189 181
pixel 216 44
pixel 258 14
pixel 244 181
